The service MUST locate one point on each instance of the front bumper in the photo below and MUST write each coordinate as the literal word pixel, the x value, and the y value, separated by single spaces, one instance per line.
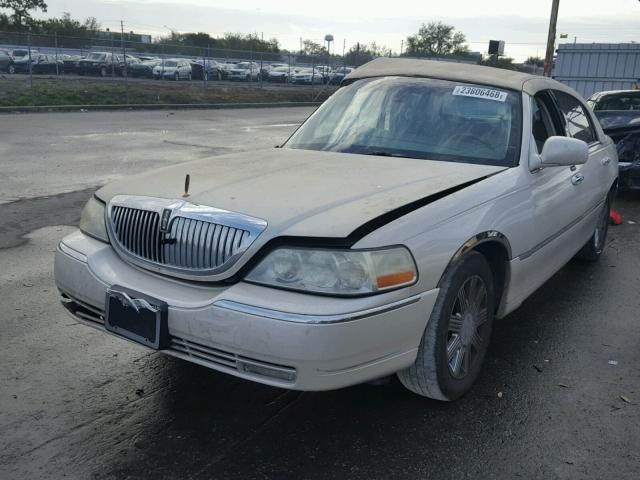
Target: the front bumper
pixel 280 338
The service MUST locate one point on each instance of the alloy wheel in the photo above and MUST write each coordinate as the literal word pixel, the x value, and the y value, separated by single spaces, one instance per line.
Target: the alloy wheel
pixel 465 335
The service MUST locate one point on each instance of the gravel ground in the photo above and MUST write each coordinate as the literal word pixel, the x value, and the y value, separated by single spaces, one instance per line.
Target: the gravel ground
pixel 559 396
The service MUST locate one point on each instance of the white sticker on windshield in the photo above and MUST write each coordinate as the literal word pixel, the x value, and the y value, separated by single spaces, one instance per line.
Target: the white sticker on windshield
pixel 479 92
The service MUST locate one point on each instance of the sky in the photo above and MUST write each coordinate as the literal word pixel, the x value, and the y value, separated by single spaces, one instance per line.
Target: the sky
pixel 522 24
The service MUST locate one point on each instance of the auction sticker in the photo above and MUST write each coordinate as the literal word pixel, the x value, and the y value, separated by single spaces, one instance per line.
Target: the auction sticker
pixel 479 92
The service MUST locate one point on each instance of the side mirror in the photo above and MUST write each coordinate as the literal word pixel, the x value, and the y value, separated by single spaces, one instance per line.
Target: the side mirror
pixel 562 152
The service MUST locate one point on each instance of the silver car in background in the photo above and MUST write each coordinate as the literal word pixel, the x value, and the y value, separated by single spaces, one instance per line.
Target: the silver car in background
pixel 244 71
pixel 420 202
pixel 173 69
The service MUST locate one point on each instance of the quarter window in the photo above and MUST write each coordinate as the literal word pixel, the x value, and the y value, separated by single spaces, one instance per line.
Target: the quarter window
pixel 575 116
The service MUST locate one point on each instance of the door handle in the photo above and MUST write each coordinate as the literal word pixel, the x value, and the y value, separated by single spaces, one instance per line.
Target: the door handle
pixel 577 178
pixel 605 161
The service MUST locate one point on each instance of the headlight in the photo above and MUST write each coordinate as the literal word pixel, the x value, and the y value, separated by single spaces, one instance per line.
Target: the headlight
pixel 336 272
pixel 92 220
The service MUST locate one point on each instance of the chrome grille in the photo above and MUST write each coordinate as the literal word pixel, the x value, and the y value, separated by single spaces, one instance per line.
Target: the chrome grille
pixel 188 243
pixel 178 237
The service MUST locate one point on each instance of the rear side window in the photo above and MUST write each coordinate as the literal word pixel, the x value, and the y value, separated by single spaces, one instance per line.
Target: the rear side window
pixel 575 116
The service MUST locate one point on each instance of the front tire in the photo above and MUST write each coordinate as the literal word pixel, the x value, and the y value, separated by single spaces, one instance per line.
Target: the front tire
pixel 457 336
pixel 595 246
pixel 103 72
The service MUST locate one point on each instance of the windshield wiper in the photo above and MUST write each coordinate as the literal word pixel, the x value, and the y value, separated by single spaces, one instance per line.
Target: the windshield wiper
pixel 383 153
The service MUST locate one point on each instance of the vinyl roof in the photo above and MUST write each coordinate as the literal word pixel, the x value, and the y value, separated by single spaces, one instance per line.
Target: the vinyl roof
pixel 461 72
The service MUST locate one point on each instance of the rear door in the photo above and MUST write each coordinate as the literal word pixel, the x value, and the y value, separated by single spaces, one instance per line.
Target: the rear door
pixel 592 177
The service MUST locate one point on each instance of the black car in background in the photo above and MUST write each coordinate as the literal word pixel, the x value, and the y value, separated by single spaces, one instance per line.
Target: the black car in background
pixel 619 114
pixel 206 70
pixel 40 64
pixel 71 63
pixel 101 63
pixel 143 69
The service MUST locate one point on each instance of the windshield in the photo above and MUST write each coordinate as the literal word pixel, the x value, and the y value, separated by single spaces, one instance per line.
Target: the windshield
pixel 417 118
pixel 245 66
pixel 170 63
pixel 627 101
pixel 96 56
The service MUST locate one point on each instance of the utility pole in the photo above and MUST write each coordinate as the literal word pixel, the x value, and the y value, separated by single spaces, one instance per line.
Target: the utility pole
pixel 124 57
pixel 55 36
pixel 401 46
pixel 551 40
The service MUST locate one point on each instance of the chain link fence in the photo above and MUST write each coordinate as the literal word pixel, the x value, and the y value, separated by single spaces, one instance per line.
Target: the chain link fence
pixel 114 68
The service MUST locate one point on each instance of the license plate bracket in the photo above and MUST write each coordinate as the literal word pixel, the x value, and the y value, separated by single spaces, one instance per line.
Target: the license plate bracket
pixel 137 316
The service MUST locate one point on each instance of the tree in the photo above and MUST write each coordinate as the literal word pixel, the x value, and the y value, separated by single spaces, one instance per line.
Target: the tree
pixel 21 10
pixel 499 62
pixel 309 47
pixel 436 38
pixel 536 61
pixel 363 53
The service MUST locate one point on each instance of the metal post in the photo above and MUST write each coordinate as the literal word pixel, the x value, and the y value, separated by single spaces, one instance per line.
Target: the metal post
pixel 205 73
pixel 55 36
pixel 124 57
pixel 261 63
pixel 33 97
pixel 551 39
pixel 112 67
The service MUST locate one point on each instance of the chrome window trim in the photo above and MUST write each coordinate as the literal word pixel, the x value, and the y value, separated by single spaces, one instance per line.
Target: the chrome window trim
pixel 313 319
pixel 183 209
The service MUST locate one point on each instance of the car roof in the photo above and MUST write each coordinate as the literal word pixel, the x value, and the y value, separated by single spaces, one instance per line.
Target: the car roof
pixel 614 92
pixel 460 72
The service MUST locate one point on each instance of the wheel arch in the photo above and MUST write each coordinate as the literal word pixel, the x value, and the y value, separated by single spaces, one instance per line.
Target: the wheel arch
pixel 496 249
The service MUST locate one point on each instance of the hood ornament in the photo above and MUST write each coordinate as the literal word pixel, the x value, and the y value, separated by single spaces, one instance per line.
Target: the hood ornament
pixel 187 179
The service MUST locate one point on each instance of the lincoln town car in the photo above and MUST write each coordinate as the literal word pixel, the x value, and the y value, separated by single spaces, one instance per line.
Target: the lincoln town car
pixel 419 203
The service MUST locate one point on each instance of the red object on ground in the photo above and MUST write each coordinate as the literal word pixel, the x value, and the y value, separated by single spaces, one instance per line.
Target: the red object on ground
pixel 615 217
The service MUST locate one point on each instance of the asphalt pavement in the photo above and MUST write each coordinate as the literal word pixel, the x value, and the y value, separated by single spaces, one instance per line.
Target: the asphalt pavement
pixel 559 396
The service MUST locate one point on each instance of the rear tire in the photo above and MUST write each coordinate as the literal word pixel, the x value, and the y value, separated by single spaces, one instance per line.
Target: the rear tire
pixel 595 246
pixel 457 335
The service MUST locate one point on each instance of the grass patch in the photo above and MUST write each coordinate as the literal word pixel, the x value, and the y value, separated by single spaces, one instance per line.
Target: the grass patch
pixel 15 91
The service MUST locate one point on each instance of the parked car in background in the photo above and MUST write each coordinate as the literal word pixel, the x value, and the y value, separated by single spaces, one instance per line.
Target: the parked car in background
pixel 144 68
pixel 17 53
pixel 226 66
pixel 173 69
pixel 266 68
pixel 279 74
pixel 206 69
pixel 415 206
pixel 71 63
pixel 40 64
pixel 619 114
pixel 307 76
pixel 101 63
pixel 336 77
pixel 244 71
pixel 5 60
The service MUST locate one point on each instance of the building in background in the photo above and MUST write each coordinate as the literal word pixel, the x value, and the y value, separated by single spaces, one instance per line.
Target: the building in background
pixel 595 67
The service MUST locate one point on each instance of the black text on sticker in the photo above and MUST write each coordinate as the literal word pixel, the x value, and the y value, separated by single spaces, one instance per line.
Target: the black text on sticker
pixel 478 92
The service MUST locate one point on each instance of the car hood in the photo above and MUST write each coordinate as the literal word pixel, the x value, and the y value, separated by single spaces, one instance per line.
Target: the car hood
pixel 304 192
